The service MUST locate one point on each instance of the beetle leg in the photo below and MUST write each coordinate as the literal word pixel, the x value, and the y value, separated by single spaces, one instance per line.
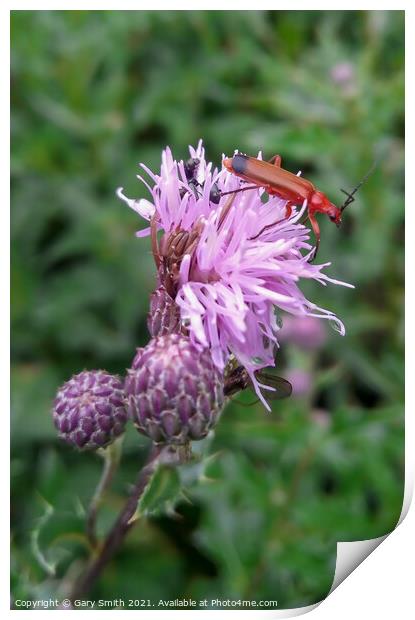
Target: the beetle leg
pixel 289 205
pixel 276 161
pixel 288 211
pixel 267 227
pixel 316 230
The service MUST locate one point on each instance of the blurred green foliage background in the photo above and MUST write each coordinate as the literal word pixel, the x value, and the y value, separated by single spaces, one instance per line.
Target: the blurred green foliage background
pixel 94 94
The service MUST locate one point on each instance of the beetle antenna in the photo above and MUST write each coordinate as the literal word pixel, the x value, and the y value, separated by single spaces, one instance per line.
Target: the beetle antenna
pixel 350 196
pixel 241 189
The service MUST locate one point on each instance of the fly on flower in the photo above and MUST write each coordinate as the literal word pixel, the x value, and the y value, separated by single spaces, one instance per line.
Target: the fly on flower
pixel 238 379
pixel 228 264
pixel 190 169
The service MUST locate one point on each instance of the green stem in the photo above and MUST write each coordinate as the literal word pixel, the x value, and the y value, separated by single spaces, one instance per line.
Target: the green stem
pixel 159 455
pixel 111 456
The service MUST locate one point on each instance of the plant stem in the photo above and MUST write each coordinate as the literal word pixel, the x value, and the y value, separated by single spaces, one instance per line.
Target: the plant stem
pixel 111 456
pixel 167 455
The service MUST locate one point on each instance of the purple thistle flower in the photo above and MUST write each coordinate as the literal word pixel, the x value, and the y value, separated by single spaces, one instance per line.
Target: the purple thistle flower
pixel 306 332
pixel 301 380
pixel 230 267
pixel 89 409
pixel 342 72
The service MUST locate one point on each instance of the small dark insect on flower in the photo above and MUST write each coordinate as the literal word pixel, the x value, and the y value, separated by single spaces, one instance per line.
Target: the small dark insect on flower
pixel 194 185
pixel 190 167
pixel 215 194
pixel 238 379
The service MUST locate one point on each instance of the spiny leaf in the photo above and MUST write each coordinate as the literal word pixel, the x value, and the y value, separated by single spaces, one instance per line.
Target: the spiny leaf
pixel 161 493
pixel 48 566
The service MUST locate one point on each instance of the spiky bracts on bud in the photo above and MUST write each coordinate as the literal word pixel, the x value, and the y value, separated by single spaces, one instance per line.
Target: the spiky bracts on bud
pixel 174 391
pixel 89 409
pixel 164 315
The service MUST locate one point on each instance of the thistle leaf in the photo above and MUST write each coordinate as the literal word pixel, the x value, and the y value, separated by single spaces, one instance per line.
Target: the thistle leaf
pixel 161 494
pixel 47 565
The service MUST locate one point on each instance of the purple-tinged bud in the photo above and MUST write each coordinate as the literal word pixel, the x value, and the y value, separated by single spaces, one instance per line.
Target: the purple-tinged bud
pixel 300 380
pixel 306 332
pixel 342 72
pixel 321 418
pixel 164 315
pixel 174 391
pixel 89 409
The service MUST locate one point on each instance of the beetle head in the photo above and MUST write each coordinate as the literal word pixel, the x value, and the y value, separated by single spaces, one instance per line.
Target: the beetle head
pixel 321 204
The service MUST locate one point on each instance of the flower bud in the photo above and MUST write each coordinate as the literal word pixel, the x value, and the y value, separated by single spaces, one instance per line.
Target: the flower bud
pixel 300 380
pixel 89 409
pixel 164 315
pixel 174 390
pixel 306 332
pixel 343 72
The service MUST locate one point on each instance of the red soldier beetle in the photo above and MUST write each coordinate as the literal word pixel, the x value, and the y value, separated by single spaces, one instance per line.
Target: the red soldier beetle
pixel 294 189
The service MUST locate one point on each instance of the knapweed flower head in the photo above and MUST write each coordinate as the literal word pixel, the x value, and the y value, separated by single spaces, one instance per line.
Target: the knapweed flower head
pixel 89 410
pixel 230 262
